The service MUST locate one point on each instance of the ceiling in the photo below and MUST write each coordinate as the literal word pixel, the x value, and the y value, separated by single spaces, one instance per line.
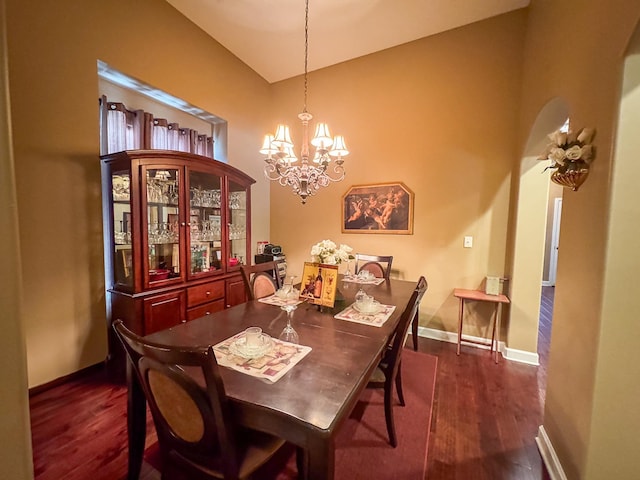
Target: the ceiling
pixel 268 35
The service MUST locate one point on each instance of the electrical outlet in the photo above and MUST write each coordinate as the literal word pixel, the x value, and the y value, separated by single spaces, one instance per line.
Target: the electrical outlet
pixel 468 241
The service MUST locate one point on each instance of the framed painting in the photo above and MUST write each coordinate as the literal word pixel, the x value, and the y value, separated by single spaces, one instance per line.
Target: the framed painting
pixel 379 208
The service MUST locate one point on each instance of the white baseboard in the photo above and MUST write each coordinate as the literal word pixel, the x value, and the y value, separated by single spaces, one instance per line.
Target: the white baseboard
pixel 530 358
pixel 549 456
pixel 521 356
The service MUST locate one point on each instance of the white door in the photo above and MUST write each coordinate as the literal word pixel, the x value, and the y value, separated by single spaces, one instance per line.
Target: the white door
pixel 555 241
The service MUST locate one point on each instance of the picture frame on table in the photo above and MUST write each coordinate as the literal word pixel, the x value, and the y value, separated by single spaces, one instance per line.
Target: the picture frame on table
pixel 378 208
pixel 319 283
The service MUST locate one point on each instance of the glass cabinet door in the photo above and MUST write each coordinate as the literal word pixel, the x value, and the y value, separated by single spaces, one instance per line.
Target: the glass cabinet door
pixel 122 228
pixel 237 223
pixel 205 252
pixel 163 224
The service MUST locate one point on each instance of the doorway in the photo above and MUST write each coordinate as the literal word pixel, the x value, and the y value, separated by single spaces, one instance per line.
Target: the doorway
pixel 533 207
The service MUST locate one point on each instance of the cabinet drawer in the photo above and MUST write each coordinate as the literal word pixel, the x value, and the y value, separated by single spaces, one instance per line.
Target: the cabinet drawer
pixel 205 309
pixel 205 293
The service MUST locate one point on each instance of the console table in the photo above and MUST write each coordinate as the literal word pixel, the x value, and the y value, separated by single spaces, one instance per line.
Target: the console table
pixel 479 296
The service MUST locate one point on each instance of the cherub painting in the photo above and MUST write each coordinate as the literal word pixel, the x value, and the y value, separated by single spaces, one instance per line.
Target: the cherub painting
pixel 382 208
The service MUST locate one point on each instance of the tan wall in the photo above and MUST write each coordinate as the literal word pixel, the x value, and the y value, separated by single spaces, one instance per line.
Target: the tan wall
pixel 54 94
pixel 439 115
pixel 613 451
pixel 574 51
pixel 15 454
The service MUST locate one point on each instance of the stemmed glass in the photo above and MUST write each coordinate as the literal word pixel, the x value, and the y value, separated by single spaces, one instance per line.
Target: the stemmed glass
pixel 288 333
pixel 291 299
pixel 348 272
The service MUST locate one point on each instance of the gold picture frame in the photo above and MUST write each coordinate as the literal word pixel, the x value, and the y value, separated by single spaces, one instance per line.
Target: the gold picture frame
pixel 378 208
pixel 319 283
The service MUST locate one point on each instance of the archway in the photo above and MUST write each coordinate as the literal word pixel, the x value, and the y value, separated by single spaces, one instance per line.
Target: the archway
pixel 529 237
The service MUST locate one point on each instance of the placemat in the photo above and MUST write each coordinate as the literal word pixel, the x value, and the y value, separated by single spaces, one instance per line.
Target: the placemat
pixel 377 320
pixel 275 300
pixel 272 366
pixel 355 279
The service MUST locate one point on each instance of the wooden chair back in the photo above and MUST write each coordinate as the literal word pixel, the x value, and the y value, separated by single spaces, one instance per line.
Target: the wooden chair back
pixel 393 354
pixel 262 279
pixel 197 434
pixel 388 372
pixel 378 265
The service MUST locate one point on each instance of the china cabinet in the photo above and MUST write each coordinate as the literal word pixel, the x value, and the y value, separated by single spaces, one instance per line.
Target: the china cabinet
pixel 177 228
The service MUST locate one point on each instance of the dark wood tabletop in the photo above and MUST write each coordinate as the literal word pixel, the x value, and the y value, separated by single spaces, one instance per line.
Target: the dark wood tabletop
pixel 309 403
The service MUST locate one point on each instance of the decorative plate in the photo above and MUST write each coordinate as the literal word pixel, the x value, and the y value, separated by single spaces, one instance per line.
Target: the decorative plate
pixel 240 348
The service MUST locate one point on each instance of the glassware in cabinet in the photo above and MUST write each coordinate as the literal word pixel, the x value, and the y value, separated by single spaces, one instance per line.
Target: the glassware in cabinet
pixel 205 223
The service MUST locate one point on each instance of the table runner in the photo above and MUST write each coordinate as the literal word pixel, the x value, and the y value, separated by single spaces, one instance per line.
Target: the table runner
pixel 272 366
pixel 377 320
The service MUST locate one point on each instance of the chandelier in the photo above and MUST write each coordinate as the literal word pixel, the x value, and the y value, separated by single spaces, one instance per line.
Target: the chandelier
pixel 282 165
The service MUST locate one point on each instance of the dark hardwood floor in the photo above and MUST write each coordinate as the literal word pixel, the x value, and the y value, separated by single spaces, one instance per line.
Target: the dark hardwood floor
pixel 484 424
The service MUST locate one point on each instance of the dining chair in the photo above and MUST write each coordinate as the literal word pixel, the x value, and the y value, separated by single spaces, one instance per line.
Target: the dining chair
pixel 197 434
pixel 378 265
pixel 261 279
pixel 389 371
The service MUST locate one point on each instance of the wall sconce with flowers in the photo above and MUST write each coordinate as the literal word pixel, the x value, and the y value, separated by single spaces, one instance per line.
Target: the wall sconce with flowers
pixel 571 156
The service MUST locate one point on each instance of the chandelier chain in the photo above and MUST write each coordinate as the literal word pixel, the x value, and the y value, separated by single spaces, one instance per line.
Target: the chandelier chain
pixel 306 51
pixel 313 173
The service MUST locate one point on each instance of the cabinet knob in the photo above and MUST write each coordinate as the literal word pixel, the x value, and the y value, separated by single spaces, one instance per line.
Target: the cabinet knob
pixel 183 224
pixel 208 293
pixel 183 321
pixel 207 313
pixel 228 306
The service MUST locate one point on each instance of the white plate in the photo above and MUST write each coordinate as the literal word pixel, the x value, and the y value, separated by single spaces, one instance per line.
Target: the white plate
pixel 239 347
pixel 372 310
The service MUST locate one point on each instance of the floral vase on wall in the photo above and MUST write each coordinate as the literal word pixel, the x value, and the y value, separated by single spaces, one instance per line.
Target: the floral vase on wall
pixel 571 156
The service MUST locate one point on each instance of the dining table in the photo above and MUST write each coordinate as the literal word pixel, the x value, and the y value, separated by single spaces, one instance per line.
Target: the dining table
pixel 307 405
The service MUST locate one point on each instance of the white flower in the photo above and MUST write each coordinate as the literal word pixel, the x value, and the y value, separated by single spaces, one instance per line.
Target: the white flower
pixel 574 153
pixel 568 149
pixel 557 154
pixel 328 253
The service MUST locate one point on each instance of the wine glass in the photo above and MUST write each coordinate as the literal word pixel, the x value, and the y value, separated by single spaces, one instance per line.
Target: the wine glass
pixel 288 333
pixel 348 272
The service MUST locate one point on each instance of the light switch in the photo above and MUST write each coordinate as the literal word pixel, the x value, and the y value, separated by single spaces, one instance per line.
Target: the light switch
pixel 468 241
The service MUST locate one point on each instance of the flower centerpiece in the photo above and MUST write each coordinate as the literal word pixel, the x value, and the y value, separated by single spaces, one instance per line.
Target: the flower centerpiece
pixel 329 253
pixel 570 155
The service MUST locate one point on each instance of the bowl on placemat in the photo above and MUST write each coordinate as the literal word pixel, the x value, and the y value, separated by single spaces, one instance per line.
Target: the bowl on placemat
pixel 368 306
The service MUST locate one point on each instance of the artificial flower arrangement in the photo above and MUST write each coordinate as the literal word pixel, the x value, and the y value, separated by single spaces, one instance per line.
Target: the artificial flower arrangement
pixel 568 151
pixel 329 253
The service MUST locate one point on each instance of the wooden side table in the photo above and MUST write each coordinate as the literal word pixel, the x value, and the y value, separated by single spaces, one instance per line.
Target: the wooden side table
pixel 479 296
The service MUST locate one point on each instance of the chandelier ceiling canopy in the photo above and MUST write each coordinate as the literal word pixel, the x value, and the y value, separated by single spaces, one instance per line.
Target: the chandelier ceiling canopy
pixel 281 163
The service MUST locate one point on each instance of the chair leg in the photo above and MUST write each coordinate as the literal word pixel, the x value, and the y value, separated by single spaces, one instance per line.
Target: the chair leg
pixel 414 330
pixel 388 413
pixel 300 462
pixel 399 385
